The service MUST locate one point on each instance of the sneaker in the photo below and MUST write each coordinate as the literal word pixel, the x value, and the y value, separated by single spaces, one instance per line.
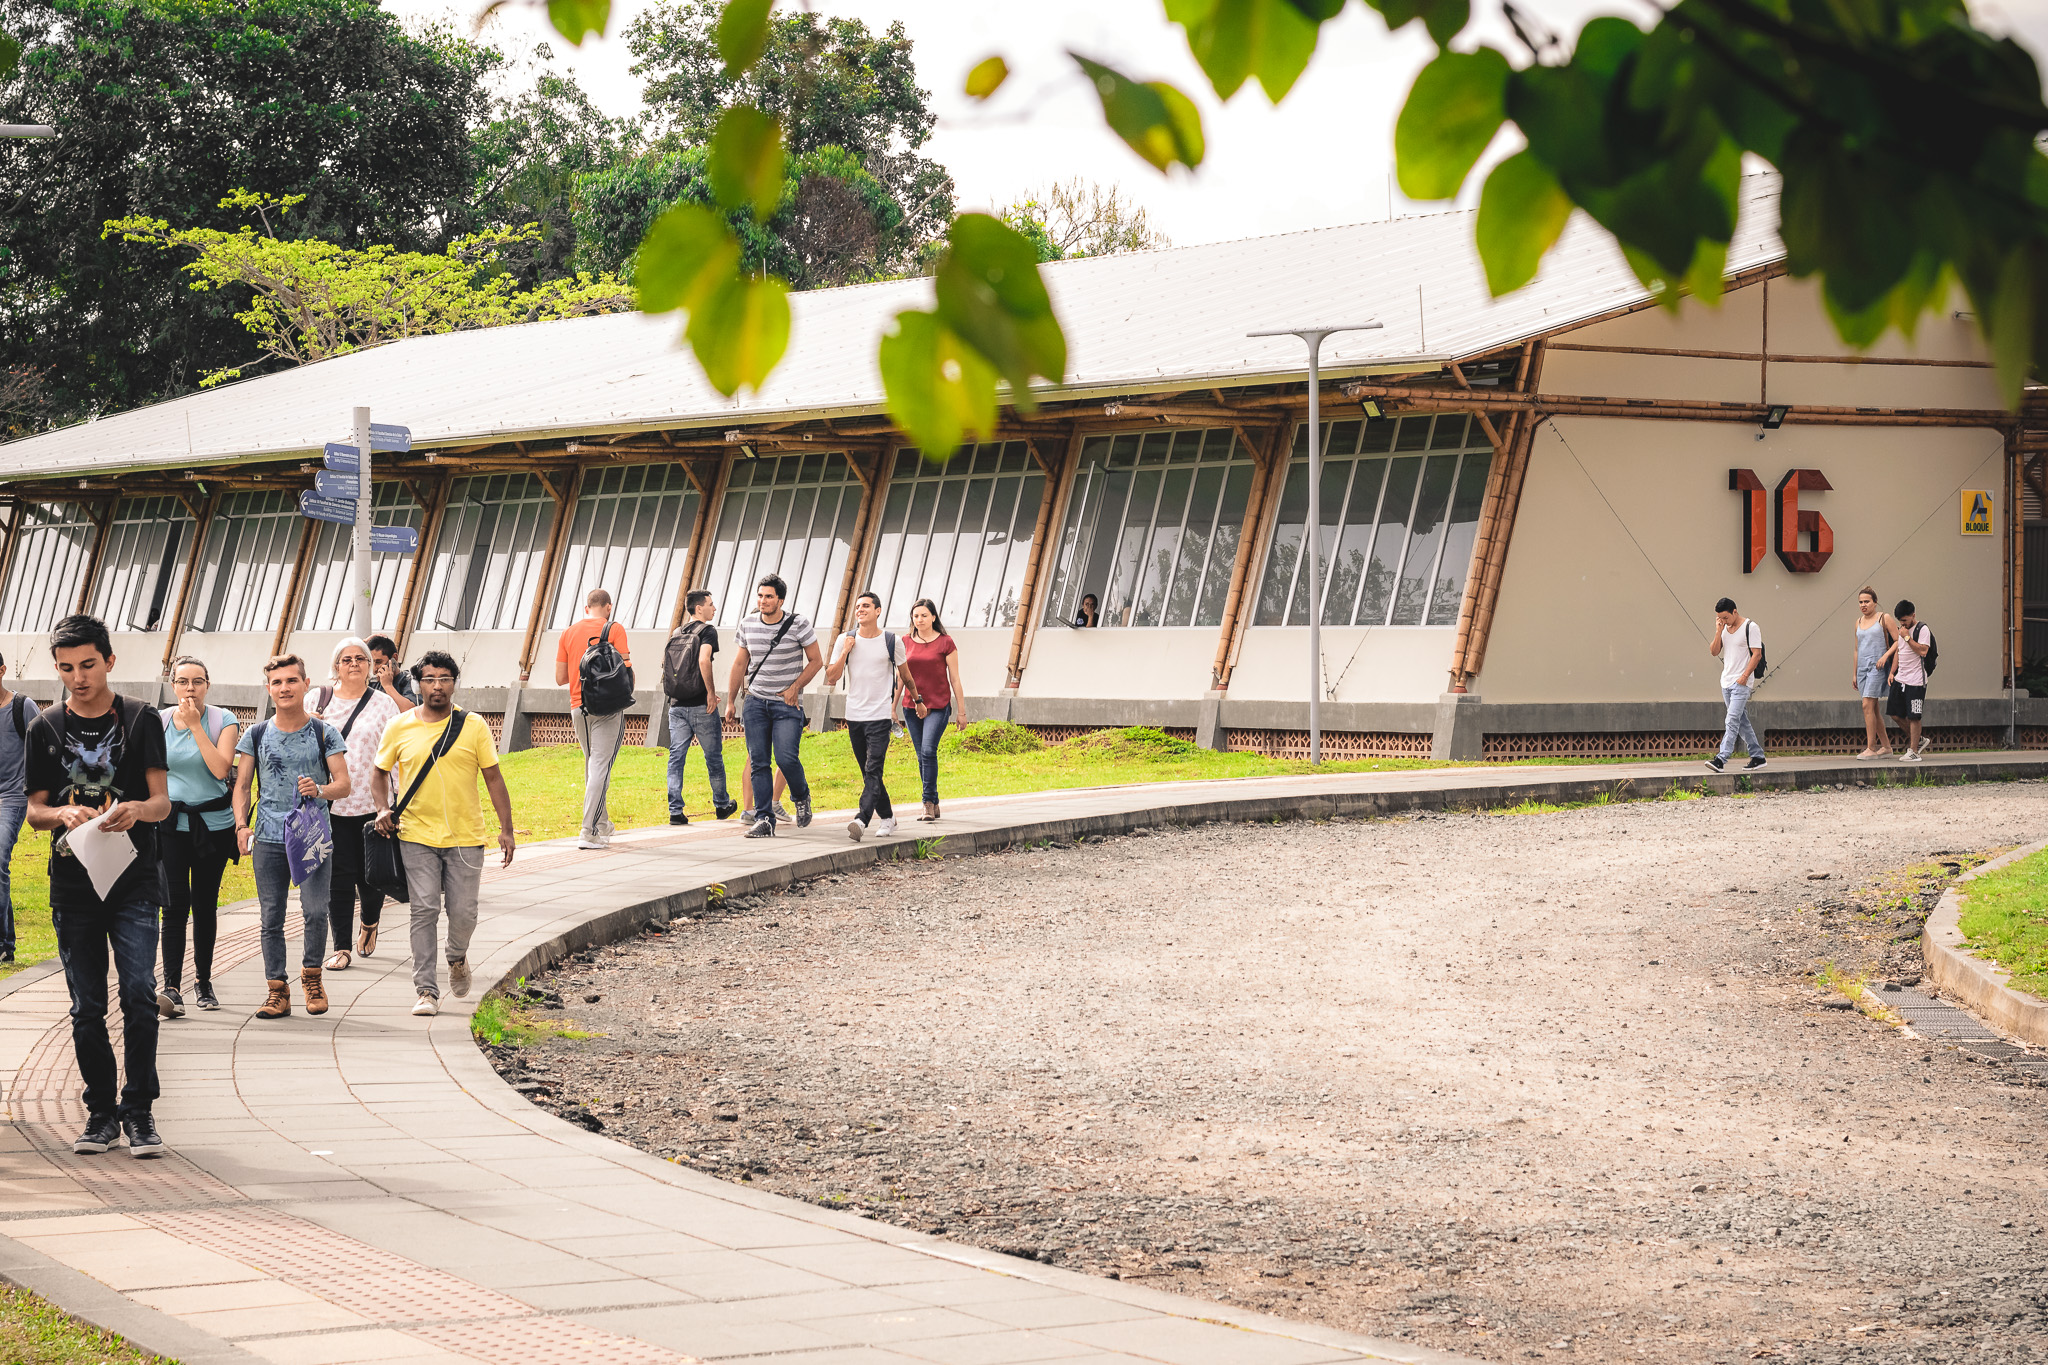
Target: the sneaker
pixel 803 815
pixel 203 996
pixel 458 978
pixel 143 1142
pixel 587 844
pixel 764 828
pixel 427 1004
pixel 1717 763
pixel 725 811
pixel 169 1003
pixel 884 828
pixel 781 812
pixel 1910 756
pixel 679 819
pixel 856 831
pixel 1755 761
pixel 101 1132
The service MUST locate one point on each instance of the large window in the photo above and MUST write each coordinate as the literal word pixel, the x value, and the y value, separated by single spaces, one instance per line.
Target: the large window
pixel 958 533
pixel 328 602
pixel 487 560
pixel 144 563
pixel 247 568
pixel 630 536
pixel 1397 526
pixel 792 516
pixel 1152 528
pixel 53 541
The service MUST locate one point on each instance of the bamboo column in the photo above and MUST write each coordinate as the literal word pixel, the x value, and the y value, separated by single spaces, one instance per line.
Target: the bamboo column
pixel 1496 531
pixel 859 553
pixel 1034 565
pixel 1259 514
pixel 430 534
pixel 295 589
pixel 1029 617
pixel 202 520
pixel 551 562
pixel 705 531
pixel 99 551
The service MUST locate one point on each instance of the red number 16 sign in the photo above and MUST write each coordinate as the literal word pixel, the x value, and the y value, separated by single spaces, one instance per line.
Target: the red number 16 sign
pixel 1793 522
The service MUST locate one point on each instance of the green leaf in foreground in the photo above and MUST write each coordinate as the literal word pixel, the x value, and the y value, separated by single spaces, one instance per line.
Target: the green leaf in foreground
pixel 740 331
pixel 742 33
pixel 684 257
pixel 1522 210
pixel 991 295
pixel 745 161
pixel 940 390
pixel 987 77
pixel 1159 122
pixel 1444 19
pixel 1455 107
pixel 578 19
pixel 1233 40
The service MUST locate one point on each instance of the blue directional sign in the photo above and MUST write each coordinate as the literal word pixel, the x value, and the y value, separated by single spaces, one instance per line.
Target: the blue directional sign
pixel 385 437
pixel 331 485
pixel 339 510
pixel 394 540
pixel 342 459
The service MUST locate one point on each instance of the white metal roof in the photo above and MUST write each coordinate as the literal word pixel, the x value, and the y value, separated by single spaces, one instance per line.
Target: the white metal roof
pixel 1153 320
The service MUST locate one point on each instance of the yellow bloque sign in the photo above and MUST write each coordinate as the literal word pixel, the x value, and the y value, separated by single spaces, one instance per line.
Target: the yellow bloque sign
pixel 1976 511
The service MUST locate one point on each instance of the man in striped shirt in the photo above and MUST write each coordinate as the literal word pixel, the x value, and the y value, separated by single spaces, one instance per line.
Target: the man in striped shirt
pixel 778 654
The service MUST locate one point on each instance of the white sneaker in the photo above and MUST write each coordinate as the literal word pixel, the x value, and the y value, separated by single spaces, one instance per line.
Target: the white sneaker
pixel 458 978
pixel 427 1005
pixel 1910 756
pixel 855 830
pixel 585 843
pixel 884 828
pixel 782 814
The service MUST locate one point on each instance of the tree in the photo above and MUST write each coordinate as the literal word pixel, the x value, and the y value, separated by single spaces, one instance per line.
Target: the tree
pixel 311 299
pixel 165 106
pixel 530 156
pixel 827 82
pixel 1077 217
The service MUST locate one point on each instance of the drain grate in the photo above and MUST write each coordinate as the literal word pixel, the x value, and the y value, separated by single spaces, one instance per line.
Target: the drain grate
pixel 1936 1019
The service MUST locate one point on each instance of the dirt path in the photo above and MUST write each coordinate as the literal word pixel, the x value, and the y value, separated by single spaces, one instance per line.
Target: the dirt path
pixel 1515 1085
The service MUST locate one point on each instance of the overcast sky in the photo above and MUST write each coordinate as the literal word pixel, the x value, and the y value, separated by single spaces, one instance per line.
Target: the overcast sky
pixel 1321 158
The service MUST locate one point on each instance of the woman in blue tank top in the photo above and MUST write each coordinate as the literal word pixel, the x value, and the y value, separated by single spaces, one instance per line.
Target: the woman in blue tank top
pixel 1875 631
pixel 199 838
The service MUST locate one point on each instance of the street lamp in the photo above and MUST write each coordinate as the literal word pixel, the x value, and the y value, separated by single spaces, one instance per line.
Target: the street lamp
pixel 1314 539
pixel 27 130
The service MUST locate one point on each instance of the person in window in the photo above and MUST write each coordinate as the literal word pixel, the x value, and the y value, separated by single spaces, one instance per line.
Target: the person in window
pixel 934 695
pixel 1090 613
pixel 198 841
pixel 21 713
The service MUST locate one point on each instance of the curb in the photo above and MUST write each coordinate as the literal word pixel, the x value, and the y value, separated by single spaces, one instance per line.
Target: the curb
pixel 1972 980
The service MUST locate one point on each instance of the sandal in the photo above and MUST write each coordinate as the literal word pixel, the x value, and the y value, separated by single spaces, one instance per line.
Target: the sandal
pixel 338 962
pixel 366 940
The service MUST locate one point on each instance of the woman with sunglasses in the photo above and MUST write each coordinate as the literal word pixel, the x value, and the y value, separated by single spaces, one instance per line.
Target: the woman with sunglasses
pixel 360 712
pixel 199 838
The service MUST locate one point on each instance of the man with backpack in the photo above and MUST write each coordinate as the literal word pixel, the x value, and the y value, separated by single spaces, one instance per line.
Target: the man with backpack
pixel 21 713
pixel 778 654
pixel 98 756
pixel 1913 656
pixel 593 661
pixel 686 680
pixel 1739 644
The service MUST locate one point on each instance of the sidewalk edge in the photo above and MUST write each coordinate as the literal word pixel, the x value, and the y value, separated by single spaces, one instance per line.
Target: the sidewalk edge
pixel 1970 979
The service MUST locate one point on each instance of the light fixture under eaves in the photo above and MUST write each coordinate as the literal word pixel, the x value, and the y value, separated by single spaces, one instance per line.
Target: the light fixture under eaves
pixel 1371 408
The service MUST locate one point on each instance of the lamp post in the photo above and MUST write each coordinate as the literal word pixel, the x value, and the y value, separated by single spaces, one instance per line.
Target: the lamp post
pixel 1313 540
pixel 27 130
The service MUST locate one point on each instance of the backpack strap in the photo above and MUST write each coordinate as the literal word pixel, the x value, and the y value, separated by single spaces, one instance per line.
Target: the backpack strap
pixel 19 707
pixel 788 620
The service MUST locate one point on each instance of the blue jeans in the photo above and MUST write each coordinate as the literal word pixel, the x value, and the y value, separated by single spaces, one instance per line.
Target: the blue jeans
pixel 86 929
pixel 12 810
pixel 273 885
pixel 924 737
pixel 1739 726
pixel 686 723
pixel 773 723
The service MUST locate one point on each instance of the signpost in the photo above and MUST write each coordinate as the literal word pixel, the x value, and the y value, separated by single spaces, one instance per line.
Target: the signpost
pixel 341 495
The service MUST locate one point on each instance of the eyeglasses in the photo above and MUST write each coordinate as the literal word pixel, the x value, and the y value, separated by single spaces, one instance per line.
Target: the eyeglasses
pixel 353 659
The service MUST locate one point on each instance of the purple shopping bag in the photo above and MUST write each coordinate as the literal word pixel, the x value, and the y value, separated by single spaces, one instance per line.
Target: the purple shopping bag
pixel 308 839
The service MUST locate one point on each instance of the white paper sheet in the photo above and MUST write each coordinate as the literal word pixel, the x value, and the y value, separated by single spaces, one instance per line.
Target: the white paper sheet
pixel 104 854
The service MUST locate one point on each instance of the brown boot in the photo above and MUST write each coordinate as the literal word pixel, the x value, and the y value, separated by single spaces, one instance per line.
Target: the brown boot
pixel 316 994
pixel 278 1003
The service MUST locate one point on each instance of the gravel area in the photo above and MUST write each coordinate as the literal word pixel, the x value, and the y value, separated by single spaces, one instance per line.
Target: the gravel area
pixel 1517 1085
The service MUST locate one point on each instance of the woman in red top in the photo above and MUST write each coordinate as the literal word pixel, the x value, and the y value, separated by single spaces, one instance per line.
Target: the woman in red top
pixel 934 695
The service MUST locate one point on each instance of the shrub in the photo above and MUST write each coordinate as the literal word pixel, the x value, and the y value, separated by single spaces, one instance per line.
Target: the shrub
pixel 1136 743
pixel 998 737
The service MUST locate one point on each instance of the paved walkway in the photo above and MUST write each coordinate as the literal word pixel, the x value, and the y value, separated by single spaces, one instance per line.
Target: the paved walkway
pixel 363 1187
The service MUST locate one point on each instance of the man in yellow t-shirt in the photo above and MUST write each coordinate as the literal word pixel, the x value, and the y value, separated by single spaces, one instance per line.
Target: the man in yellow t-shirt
pixel 440 831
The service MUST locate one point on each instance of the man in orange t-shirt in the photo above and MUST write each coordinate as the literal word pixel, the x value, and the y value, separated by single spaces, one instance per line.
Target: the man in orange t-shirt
pixel 599 736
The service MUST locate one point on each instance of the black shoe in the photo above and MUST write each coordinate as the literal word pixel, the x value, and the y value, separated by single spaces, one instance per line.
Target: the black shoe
pixel 1755 761
pixel 803 814
pixel 202 996
pixel 143 1143
pixel 725 811
pixel 764 828
pixel 679 819
pixel 101 1132
pixel 169 1003
pixel 1717 764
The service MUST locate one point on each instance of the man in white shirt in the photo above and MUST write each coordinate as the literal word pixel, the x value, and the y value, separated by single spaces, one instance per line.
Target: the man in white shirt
pixel 1739 644
pixel 872 660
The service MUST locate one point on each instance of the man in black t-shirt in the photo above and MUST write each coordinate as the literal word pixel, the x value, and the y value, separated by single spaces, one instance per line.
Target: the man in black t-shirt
pixel 97 752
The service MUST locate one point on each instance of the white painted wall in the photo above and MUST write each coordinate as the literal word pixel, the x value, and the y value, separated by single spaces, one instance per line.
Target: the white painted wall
pixel 1360 663
pixel 487 658
pixel 1139 664
pixel 230 656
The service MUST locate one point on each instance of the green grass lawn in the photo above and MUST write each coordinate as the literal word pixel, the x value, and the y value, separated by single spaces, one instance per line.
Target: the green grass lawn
pixel 35 1332
pixel 2005 918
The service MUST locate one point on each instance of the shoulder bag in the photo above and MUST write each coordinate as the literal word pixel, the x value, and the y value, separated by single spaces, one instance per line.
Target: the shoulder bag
pixel 383 866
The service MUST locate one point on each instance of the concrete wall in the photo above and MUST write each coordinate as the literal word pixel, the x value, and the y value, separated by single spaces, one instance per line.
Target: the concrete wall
pixel 1139 664
pixel 1360 663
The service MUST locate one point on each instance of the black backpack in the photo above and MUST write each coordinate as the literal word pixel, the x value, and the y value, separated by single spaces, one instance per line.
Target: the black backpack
pixel 1933 649
pixel 606 677
pixel 682 674
pixel 1763 656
